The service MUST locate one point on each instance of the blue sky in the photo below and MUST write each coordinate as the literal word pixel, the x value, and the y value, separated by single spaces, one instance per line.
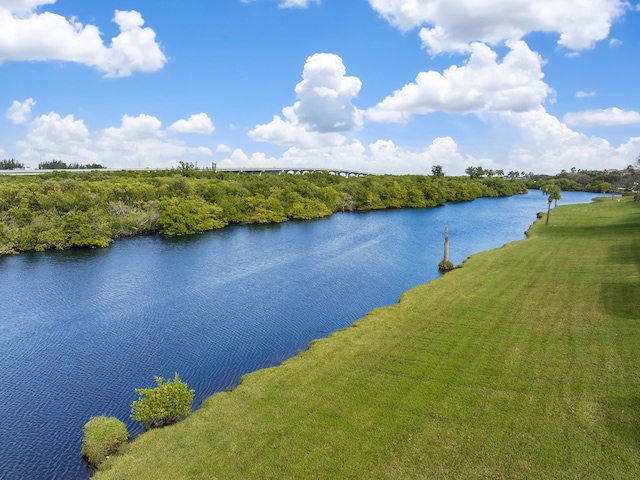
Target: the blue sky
pixel 381 86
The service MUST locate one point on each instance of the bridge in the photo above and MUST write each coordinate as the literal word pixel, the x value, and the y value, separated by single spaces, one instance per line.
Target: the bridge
pixel 237 170
pixel 293 171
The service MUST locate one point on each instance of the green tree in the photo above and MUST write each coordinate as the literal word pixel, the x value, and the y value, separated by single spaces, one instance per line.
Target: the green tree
pixel 53 165
pixel 166 404
pixel 437 171
pixel 10 164
pixel 553 192
pixel 598 186
pixel 183 216
pixel 475 172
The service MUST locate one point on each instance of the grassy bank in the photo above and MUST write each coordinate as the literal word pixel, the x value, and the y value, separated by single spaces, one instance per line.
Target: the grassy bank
pixel 523 364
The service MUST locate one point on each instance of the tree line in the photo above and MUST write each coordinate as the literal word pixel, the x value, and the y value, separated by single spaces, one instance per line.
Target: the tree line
pixel 92 208
pixel 13 164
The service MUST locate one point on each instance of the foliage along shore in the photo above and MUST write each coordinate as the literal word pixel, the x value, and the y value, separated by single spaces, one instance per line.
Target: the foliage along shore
pixel 523 364
pixel 90 209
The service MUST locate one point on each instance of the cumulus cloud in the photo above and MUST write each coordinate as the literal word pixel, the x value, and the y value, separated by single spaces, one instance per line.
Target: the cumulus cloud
pixel 30 36
pixel 451 25
pixel 350 155
pixel 606 117
pixel 198 123
pixel 139 141
pixel 288 131
pixel 545 144
pixel 20 112
pixel 381 156
pixel 323 109
pixel 325 94
pixel 481 84
pixel 142 127
pixel 296 3
pixel 289 3
pixel 442 151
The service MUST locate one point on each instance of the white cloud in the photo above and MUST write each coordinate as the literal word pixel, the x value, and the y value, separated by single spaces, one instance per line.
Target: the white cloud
pixel 382 156
pixel 325 94
pixel 138 142
pixel 442 151
pixel 20 112
pixel 450 25
pixel 198 123
pixel 481 84
pixel 347 156
pixel 289 132
pixel 23 6
pixel 289 3
pixel 582 94
pixel 29 36
pixel 55 137
pixel 323 108
pixel 607 117
pixel 222 148
pixel 132 129
pixel 296 3
pixel 546 145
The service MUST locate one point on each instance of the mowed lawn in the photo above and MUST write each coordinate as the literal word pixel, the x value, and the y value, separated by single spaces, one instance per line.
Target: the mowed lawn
pixel 522 364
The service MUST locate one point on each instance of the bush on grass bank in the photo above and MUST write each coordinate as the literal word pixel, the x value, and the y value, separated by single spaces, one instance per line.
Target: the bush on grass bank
pixel 103 437
pixel 166 404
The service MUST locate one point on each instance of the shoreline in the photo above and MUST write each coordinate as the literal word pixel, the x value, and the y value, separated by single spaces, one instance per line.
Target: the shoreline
pixel 340 364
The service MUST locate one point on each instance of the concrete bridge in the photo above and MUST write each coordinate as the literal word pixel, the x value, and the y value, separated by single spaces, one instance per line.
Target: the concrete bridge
pixel 238 170
pixel 293 171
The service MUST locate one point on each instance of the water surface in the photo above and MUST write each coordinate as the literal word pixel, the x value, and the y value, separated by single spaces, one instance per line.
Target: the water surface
pixel 81 329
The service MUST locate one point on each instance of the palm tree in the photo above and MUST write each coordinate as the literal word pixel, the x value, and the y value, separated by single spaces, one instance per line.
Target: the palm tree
pixel 554 193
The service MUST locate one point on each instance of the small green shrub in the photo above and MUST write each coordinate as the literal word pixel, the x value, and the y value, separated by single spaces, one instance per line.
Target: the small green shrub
pixel 445 266
pixel 103 437
pixel 167 403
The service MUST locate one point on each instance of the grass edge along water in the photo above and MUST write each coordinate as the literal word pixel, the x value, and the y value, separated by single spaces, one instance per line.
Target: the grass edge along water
pixel 521 364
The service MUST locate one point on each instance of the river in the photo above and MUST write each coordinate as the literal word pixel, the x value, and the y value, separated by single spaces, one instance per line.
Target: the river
pixel 81 329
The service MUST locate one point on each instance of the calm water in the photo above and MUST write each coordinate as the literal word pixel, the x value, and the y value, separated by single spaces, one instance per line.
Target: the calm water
pixel 81 329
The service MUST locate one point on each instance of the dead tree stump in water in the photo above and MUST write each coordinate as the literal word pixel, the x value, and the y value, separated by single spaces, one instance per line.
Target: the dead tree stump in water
pixel 445 265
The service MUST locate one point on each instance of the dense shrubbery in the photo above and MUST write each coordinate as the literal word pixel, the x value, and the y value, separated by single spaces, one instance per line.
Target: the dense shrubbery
pixel 103 437
pixel 165 404
pixel 10 164
pixel 60 165
pixel 65 209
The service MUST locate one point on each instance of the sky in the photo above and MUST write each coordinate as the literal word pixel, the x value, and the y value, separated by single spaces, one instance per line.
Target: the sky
pixel 378 86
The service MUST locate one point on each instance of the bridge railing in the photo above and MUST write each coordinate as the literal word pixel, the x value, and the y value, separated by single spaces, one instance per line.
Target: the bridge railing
pixel 238 170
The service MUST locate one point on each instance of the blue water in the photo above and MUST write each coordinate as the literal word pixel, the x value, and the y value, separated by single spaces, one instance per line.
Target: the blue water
pixel 80 330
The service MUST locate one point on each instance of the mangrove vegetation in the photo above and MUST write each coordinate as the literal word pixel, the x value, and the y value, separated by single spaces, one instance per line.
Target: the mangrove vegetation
pixel 92 208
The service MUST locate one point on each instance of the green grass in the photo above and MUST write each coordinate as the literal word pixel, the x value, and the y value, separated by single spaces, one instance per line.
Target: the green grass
pixel 523 364
pixel 103 437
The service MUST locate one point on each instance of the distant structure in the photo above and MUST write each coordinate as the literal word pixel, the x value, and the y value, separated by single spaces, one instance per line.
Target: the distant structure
pixel 214 168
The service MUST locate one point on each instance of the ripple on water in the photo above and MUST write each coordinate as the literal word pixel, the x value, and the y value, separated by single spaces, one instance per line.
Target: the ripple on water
pixel 81 329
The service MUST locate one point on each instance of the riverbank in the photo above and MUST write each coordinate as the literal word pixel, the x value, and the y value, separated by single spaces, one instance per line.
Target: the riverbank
pixel 62 210
pixel 522 364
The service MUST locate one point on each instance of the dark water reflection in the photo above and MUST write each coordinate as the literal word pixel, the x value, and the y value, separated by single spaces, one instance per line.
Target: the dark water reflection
pixel 81 329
